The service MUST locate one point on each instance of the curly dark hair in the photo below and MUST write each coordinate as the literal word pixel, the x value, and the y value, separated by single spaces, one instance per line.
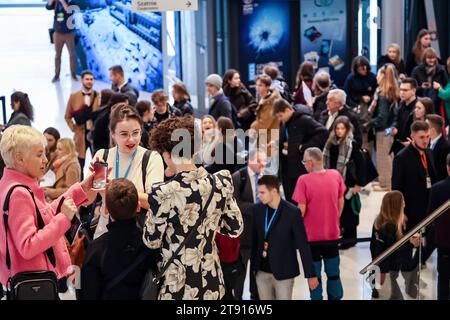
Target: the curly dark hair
pixel 161 139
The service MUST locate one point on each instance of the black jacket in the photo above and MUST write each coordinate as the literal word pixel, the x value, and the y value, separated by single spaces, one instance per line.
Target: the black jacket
pixel 221 107
pixel 358 87
pixel 18 118
pixel 130 91
pixel 403 120
pixel 245 103
pixel 440 152
pixel 355 167
pixel 287 235
pixel 354 119
pixel 184 106
pixel 108 256
pixel 440 194
pixel 303 132
pixel 409 177
pixel 100 133
pixel 320 105
pixel 401 68
pixel 244 195
pixel 420 74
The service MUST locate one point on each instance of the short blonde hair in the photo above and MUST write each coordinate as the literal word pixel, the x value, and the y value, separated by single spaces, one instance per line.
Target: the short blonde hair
pixel 19 139
pixel 68 146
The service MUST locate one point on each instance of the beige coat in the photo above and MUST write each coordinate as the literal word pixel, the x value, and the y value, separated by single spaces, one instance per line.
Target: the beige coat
pixel 266 121
pixel 76 103
pixel 66 176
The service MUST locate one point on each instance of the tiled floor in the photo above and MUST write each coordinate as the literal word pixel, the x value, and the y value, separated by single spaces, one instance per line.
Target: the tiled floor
pixel 26 63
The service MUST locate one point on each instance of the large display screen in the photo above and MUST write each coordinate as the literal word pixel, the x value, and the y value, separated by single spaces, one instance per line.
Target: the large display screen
pixel 110 33
pixel 265 37
pixel 323 32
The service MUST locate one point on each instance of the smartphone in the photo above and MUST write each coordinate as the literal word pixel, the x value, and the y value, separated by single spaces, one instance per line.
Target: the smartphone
pixel 100 175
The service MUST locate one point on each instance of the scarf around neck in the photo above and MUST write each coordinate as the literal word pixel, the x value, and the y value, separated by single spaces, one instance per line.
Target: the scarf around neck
pixel 345 152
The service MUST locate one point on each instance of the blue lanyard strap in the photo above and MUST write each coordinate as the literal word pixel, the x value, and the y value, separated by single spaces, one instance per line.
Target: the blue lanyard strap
pixel 267 226
pixel 286 133
pixel 118 163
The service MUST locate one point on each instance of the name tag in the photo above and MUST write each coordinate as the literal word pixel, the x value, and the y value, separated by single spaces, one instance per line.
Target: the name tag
pixel 60 17
pixel 428 182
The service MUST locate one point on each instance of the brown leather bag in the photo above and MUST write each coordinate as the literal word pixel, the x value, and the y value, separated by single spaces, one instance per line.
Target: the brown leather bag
pixel 77 250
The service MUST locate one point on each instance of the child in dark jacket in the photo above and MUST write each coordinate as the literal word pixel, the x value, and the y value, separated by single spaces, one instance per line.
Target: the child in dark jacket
pixel 111 254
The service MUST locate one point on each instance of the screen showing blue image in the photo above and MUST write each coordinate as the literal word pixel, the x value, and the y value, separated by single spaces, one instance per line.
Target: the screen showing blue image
pixel 110 33
pixel 323 32
pixel 264 37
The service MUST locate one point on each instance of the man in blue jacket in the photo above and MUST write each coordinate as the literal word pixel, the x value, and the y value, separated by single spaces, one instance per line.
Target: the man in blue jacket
pixel 278 232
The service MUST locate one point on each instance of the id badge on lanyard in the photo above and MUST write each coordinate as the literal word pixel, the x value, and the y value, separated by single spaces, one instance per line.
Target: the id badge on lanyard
pixel 428 182
pixel 60 17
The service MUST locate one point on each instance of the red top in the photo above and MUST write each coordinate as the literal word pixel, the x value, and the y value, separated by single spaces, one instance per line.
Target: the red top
pixel 228 248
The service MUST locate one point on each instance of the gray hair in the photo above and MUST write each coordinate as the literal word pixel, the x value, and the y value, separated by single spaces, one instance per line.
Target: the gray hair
pixel 315 154
pixel 340 95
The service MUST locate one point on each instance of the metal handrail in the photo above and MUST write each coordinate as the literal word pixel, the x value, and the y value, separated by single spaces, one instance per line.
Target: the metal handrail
pixel 424 223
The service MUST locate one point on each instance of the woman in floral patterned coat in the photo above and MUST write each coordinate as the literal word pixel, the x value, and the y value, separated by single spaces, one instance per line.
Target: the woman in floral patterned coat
pixel 175 207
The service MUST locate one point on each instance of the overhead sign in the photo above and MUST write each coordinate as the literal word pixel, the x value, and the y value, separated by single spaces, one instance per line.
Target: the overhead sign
pixel 165 5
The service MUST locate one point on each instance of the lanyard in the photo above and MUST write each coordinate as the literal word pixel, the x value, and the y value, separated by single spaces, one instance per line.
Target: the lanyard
pixel 286 133
pixel 118 163
pixel 267 226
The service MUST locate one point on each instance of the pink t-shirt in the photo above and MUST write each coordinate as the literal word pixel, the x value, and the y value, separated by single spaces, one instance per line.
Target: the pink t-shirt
pixel 320 192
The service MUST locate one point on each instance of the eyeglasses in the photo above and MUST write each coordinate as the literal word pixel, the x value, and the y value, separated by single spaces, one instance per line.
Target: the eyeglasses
pixel 127 135
pixel 306 161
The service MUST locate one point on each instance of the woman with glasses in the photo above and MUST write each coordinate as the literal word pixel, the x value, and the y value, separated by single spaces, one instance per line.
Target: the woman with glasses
pixel 341 153
pixel 127 157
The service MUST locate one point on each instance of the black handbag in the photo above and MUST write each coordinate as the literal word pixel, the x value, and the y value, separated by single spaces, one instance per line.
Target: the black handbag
pixel 153 279
pixel 31 285
pixel 369 171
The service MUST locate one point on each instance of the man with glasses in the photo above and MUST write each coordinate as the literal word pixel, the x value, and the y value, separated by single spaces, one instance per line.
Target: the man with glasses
pixel 403 119
pixel 320 198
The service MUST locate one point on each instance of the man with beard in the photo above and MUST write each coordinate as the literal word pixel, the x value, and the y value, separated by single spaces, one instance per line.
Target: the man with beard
pixel 79 112
pixel 413 175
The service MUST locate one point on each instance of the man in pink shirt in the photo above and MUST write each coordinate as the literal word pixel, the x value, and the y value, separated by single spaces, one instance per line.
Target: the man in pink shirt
pixel 320 197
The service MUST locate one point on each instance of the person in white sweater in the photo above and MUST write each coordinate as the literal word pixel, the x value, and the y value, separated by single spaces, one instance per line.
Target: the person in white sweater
pixel 126 159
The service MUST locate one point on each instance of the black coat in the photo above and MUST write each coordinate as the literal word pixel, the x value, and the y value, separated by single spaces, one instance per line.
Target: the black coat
pixel 131 92
pixel 420 74
pixel 354 119
pixel 440 152
pixel 221 107
pixel 358 87
pixel 108 256
pixel 401 68
pixel 244 195
pixel 320 105
pixel 100 134
pixel 184 106
pixel 440 194
pixel 303 132
pixel 403 120
pixel 287 235
pixel 245 103
pixel 409 177
pixel 18 117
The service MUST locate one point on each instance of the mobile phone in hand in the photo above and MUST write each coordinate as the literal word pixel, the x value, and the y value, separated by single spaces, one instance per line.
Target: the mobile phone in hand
pixel 100 175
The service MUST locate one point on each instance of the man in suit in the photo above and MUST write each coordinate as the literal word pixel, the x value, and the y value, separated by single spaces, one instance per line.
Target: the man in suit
pixel 440 194
pixel 439 145
pixel 245 183
pixel 413 175
pixel 120 85
pixel 320 198
pixel 403 118
pixel 298 132
pixel 336 107
pixel 278 232
pixel 79 112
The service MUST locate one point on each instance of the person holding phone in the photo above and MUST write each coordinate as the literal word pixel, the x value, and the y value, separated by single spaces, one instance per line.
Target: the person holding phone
pixel 23 150
pixel 426 74
pixel 126 159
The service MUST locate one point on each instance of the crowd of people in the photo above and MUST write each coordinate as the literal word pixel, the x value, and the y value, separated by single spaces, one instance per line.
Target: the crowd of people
pixel 201 217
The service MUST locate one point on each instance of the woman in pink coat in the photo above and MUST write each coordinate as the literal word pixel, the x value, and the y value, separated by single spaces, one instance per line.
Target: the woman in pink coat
pixel 23 151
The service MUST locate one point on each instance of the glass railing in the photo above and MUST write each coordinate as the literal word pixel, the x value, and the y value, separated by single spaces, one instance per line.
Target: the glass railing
pixel 397 273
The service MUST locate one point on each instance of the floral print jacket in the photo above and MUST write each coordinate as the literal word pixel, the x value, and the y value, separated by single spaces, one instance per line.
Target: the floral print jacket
pixel 195 274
